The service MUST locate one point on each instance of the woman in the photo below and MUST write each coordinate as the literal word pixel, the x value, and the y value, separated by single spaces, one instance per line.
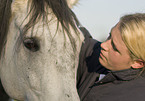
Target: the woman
pixel 114 70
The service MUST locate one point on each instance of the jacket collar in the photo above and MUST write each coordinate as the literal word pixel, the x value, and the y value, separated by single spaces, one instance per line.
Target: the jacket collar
pixel 126 75
pixel 123 75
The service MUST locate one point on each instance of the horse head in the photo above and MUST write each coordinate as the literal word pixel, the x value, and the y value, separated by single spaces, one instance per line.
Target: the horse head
pixel 40 45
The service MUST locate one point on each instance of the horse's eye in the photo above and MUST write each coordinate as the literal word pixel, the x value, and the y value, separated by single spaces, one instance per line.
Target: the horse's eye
pixel 31 44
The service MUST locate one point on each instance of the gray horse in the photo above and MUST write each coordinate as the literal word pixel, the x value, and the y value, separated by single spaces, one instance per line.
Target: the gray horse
pixel 39 51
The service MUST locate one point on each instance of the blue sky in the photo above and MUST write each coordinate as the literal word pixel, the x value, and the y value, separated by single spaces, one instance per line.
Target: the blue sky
pixel 99 16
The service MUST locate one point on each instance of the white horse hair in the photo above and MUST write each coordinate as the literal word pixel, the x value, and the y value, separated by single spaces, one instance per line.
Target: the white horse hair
pixel 39 51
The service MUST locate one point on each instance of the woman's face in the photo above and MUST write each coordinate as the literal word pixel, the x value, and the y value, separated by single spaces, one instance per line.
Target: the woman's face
pixel 114 53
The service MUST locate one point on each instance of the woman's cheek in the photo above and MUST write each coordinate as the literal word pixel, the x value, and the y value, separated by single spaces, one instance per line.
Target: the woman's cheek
pixel 114 58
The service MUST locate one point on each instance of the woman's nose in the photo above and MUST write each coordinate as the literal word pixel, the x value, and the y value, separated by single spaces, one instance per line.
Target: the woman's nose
pixel 105 45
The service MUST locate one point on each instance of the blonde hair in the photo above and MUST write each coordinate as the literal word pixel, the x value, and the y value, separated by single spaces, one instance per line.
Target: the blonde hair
pixel 132 28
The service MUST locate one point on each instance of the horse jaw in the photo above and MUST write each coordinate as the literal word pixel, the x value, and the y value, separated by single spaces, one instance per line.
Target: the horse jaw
pixel 42 76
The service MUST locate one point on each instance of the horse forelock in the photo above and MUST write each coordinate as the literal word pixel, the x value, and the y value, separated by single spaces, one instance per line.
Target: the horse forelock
pixel 39 9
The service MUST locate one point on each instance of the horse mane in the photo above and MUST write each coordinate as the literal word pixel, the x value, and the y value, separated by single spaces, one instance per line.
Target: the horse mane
pixel 5 13
pixel 37 11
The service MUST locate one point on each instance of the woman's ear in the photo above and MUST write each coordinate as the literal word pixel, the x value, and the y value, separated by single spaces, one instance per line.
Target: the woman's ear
pixel 138 64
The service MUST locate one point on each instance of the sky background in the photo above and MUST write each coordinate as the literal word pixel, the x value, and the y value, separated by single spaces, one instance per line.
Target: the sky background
pixel 99 16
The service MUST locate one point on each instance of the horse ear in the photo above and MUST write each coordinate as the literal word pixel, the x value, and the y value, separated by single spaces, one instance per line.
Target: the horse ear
pixel 71 3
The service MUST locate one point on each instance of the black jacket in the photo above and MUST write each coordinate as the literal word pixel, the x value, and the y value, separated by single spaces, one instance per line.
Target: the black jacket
pixel 125 85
